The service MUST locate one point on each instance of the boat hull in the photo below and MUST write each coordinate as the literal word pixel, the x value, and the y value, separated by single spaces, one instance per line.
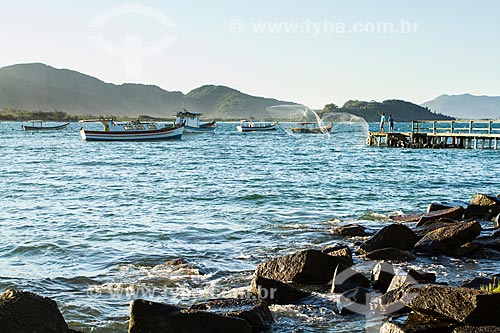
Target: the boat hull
pixel 315 130
pixel 46 128
pixel 154 135
pixel 257 129
pixel 201 129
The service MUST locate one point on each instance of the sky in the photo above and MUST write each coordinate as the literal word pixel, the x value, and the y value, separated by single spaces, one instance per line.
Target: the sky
pixel 312 52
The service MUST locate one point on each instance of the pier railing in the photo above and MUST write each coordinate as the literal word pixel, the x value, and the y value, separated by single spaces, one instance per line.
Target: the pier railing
pixel 457 127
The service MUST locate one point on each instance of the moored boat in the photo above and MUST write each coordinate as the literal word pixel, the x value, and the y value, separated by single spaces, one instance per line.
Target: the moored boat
pixel 250 126
pixel 313 128
pixel 37 125
pixel 191 122
pixel 131 131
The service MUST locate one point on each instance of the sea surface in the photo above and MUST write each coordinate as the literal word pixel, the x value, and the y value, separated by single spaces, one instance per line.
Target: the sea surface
pixel 90 223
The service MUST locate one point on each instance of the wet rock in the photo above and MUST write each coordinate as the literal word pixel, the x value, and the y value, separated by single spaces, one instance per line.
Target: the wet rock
pixel 179 266
pixel 496 224
pixel 485 200
pixel 422 277
pixel 437 206
pixel 411 278
pixel 454 213
pixel 303 267
pixel 496 234
pixel 255 312
pixel 477 329
pixel 354 301
pixel 482 212
pixel 347 279
pixel 382 275
pixel 463 305
pixel 151 317
pixel 275 292
pixel 485 253
pixel 390 254
pixel 479 282
pixel 489 242
pixel 466 249
pixel 350 230
pixel 446 239
pixel 394 235
pixel 342 252
pixel 24 312
pixel 416 323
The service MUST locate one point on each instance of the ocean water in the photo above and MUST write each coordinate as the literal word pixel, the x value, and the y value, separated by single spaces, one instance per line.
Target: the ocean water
pixel 90 223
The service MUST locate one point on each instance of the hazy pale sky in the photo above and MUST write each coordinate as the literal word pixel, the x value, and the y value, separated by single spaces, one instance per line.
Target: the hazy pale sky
pixel 312 52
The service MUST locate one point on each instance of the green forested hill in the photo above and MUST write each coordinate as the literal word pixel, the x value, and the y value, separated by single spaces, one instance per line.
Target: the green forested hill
pixel 402 111
pixel 38 87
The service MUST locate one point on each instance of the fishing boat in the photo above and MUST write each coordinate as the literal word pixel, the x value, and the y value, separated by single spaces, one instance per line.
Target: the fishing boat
pixel 38 125
pixel 191 122
pixel 131 131
pixel 313 128
pixel 250 126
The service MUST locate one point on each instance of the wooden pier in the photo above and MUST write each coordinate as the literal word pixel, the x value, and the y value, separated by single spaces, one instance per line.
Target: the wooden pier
pixel 464 134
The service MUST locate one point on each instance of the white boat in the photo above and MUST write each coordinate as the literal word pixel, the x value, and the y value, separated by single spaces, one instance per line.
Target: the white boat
pixel 131 131
pixel 191 122
pixel 250 126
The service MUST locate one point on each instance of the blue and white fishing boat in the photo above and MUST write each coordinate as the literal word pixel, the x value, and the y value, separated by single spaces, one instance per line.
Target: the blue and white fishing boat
pixel 131 131
pixel 191 122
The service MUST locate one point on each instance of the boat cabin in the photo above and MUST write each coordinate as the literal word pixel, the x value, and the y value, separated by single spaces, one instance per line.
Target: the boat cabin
pixel 189 119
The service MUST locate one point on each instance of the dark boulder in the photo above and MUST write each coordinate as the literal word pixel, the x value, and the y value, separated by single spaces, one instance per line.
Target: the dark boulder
pixel 382 275
pixel 24 312
pixel 347 279
pixel 275 292
pixel 151 317
pixel 485 200
pixel 422 277
pixel 411 278
pixel 466 249
pixel 390 254
pixel 482 212
pixel 354 301
pixel 477 329
pixel 254 312
pixel 303 267
pixel 479 282
pixel 394 235
pixel 341 252
pixel 179 266
pixel 437 206
pixel 463 305
pixel 489 242
pixel 416 323
pixel 350 230
pixel 446 239
pixel 454 213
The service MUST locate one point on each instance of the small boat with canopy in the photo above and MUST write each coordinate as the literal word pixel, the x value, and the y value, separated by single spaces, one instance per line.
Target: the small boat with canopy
pixel 38 125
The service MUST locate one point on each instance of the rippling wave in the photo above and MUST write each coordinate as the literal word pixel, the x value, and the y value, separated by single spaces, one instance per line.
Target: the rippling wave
pixel 88 222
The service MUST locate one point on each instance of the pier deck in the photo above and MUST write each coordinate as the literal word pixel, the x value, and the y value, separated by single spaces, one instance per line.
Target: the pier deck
pixel 465 134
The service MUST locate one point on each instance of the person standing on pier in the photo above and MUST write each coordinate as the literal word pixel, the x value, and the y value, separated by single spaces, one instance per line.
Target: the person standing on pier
pixel 382 121
pixel 390 120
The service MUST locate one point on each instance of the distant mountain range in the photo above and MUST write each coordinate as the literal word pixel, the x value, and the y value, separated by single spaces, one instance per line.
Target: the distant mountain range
pixel 466 106
pixel 38 87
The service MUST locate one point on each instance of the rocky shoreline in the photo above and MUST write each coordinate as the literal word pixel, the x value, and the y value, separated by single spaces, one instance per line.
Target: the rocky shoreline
pixel 413 301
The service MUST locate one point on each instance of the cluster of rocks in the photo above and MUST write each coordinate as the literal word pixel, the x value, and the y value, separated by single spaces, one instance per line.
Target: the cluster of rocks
pixel 410 302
